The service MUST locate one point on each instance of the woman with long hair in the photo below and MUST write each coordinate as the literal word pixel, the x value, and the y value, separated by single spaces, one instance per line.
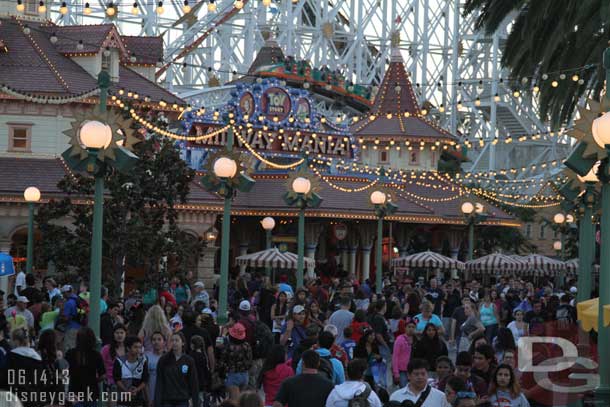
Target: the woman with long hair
pixel 502 342
pixel 110 352
pixel 314 316
pixel 154 321
pixel 177 382
pixel 504 389
pixel 86 367
pixel 472 326
pixel 518 327
pixel 279 312
pixel 47 348
pixel 275 370
pixel 429 347
pixel 368 349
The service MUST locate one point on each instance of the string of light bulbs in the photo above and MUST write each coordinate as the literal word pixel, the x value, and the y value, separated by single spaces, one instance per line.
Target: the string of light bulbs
pixel 340 188
pixel 263 159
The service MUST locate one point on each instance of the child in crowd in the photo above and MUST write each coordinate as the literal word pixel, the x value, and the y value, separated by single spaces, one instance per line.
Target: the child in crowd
pixel 349 343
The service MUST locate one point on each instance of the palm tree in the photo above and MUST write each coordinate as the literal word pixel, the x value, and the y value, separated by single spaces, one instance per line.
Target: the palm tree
pixel 547 38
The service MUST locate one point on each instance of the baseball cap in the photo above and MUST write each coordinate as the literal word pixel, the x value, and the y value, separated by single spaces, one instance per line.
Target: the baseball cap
pixel 244 305
pixel 573 290
pixel 22 298
pixel 298 309
pixel 207 311
pixel 66 288
pixel 199 284
pixel 238 331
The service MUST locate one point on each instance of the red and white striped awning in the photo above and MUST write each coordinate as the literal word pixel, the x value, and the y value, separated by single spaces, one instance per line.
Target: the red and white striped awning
pixel 572 266
pixel 496 263
pixel 543 263
pixel 428 260
pixel 273 258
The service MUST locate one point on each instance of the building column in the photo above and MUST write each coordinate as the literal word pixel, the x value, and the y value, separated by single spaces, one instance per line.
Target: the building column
pixel 310 251
pixel 403 238
pixel 312 238
pixel 344 256
pixel 367 237
pixel 352 241
pixel 5 247
pixel 243 250
pixel 455 242
pixel 205 266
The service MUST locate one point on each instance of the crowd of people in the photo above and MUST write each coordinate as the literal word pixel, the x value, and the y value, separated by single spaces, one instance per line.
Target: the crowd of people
pixel 334 343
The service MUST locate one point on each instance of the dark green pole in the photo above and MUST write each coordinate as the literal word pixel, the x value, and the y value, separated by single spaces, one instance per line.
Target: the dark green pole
pixel 224 248
pixel 470 240
pixel 378 256
pixel 586 248
pixel 268 246
pixel 95 283
pixel 95 272
pixel 301 246
pixel 602 392
pixel 30 248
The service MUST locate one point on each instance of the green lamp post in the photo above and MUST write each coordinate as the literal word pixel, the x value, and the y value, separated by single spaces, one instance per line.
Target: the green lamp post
pixel 99 140
pixel 586 236
pixel 31 196
pixel 592 129
pixel 268 224
pixel 473 214
pixel 383 207
pixel 224 178
pixel 302 194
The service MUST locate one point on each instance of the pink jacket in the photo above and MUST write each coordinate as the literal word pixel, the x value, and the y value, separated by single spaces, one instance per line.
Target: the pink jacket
pixel 272 380
pixel 401 354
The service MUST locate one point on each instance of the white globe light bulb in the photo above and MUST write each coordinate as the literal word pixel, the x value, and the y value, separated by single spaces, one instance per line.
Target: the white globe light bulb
pixel 301 185
pixel 94 134
pixel 479 208
pixel 559 218
pixel 268 223
pixel 569 218
pixel 467 208
pixel 378 198
pixel 225 167
pixel 31 194
pixel 557 245
pixel 601 130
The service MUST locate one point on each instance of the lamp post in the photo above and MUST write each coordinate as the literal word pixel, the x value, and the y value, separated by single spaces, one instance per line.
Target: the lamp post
pixel 383 207
pixel 586 235
pixel 268 224
pixel 301 193
pixel 224 178
pixel 31 195
pixel 473 214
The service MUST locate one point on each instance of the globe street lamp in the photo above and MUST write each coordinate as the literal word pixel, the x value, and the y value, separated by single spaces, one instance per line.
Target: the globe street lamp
pixel 31 195
pixel 473 214
pixel 268 224
pixel 301 193
pixel 223 177
pixel 383 207
pixel 561 220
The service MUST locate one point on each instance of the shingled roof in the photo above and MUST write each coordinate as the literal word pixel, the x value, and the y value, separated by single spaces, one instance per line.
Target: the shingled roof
pixel 147 50
pixel 396 96
pixel 34 65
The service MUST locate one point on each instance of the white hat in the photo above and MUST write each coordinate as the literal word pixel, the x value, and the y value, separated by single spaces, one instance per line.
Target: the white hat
pixel 66 288
pixel 573 290
pixel 199 284
pixel 22 298
pixel 298 309
pixel 207 311
pixel 244 305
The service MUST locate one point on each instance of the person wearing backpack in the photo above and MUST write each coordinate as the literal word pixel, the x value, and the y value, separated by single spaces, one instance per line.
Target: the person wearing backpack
pixel 418 391
pixel 70 317
pixel 354 392
pixel 330 367
pixel 130 373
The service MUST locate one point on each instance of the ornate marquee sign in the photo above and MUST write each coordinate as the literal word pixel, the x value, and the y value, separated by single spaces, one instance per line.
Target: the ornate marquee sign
pixel 274 120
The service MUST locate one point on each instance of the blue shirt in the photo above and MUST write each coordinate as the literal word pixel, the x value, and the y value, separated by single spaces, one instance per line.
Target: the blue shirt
pixel 348 346
pixel 287 288
pixel 71 312
pixel 338 373
pixel 421 322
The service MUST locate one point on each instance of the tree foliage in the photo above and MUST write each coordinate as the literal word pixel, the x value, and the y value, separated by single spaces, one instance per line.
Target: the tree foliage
pixel 546 37
pixel 140 217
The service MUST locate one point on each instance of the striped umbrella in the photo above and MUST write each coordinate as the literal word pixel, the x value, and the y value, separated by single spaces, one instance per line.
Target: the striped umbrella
pixel 496 263
pixel 273 258
pixel 540 264
pixel 572 266
pixel 428 260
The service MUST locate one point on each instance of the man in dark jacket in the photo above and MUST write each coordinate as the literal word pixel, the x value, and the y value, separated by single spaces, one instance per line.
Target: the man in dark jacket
pixel 311 339
pixel 107 322
pixel 177 381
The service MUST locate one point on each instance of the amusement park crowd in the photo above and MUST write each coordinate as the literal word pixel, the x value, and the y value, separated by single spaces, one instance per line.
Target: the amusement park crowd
pixel 334 342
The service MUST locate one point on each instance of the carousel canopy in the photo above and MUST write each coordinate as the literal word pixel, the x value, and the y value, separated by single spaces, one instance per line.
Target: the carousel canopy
pixel 428 260
pixel 273 258
pixel 497 263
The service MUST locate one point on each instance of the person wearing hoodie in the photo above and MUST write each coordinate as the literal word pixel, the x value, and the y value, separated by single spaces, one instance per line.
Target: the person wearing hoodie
pixel 402 353
pixel 27 364
pixel 353 387
pixel 275 370
pixel 325 341
pixel 504 389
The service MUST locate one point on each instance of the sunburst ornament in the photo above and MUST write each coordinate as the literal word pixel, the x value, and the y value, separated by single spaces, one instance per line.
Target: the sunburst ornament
pixel 122 134
pixel 582 129
pixel 241 180
pixel 310 198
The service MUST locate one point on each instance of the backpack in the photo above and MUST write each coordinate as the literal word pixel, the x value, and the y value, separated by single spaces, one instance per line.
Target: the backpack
pixel 326 368
pixel 264 340
pixel 361 399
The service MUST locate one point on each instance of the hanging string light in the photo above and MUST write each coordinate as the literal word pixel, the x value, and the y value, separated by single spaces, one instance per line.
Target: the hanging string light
pixel 238 4
pixel 63 10
pixel 42 8
pixel 211 6
pixel 160 10
pixel 110 10
pixel 266 3
pixel 87 9
pixel 186 8
pixel 134 9
pixel 20 6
